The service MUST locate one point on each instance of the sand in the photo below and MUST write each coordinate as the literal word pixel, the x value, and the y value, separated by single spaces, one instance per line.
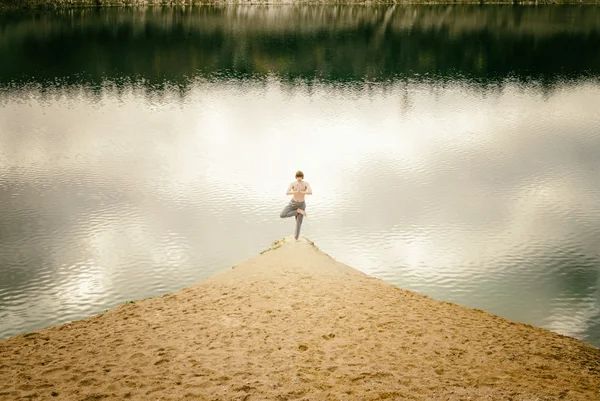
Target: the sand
pixel 295 324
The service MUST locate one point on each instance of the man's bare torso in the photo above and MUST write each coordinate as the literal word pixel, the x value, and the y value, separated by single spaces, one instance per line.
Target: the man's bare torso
pixel 299 186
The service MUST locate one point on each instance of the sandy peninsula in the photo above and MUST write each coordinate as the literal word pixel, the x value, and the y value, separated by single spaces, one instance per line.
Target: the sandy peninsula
pixel 294 324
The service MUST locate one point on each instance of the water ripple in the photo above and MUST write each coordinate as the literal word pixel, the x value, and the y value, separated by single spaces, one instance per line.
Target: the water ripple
pixel 462 196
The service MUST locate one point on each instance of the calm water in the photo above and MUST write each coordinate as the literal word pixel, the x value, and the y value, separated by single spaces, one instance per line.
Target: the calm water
pixel 453 151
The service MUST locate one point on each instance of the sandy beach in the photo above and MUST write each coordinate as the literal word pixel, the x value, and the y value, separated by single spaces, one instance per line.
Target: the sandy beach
pixel 294 324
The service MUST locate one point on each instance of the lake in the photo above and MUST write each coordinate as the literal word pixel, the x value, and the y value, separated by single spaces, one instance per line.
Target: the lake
pixel 452 150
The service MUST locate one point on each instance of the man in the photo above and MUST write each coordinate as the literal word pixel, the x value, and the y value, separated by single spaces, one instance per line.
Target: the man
pixel 297 206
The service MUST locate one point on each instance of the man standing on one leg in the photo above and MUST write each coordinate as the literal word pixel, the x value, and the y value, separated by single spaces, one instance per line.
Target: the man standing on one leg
pixel 297 206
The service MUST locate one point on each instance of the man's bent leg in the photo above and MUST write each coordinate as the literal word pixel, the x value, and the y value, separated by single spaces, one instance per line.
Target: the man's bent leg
pixel 289 211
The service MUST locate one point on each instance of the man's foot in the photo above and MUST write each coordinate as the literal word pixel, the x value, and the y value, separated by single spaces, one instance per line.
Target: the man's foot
pixel 302 212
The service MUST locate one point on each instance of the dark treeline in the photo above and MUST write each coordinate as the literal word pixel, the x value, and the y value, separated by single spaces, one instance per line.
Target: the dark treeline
pixel 174 45
pixel 57 4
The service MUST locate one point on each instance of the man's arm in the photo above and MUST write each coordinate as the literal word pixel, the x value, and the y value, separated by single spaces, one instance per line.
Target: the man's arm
pixel 308 190
pixel 289 190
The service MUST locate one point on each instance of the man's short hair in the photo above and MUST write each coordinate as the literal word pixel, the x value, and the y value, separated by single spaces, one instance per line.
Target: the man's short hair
pixel 299 174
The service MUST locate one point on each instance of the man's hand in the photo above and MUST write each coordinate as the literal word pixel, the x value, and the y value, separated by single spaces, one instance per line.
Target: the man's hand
pixel 291 191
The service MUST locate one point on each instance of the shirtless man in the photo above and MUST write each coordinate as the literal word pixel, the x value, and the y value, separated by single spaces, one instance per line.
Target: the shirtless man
pixel 297 206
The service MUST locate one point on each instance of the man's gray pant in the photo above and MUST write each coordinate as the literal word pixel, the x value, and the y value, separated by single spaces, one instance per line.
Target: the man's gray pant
pixel 292 210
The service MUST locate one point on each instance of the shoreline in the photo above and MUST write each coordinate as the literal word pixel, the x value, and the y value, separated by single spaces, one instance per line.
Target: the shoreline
pixel 293 323
pixel 16 5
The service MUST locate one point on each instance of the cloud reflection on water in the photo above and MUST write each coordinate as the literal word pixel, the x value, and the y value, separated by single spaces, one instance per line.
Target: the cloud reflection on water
pixel 464 190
